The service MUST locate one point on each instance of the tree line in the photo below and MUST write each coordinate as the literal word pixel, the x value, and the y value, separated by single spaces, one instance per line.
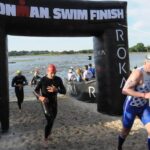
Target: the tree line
pixel 139 47
pixel 46 52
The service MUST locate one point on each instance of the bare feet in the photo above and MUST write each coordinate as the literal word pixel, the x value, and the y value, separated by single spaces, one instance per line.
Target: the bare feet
pixel 45 143
pixel 50 138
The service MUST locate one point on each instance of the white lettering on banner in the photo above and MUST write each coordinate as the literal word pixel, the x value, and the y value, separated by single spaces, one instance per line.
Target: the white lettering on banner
pixel 122 82
pixel 70 14
pixel 121 49
pixel 91 91
pixel 99 52
pixel 60 13
pixel 2 9
pixel 10 10
pixel 106 14
pixel 121 54
pixel 44 12
pixel 121 68
pixel 34 12
pixel 119 34
pixel 40 12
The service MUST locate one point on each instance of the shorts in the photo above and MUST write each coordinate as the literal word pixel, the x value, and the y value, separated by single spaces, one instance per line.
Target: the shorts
pixel 130 112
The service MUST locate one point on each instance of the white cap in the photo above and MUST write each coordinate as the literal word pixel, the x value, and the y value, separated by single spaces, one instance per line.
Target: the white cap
pixel 70 70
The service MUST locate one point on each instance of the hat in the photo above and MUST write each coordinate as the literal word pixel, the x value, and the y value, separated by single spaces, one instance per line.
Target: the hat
pixel 18 72
pixel 51 68
pixel 70 70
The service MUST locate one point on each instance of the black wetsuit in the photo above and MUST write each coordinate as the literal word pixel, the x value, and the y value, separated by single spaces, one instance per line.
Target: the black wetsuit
pixel 19 91
pixel 51 98
pixel 35 80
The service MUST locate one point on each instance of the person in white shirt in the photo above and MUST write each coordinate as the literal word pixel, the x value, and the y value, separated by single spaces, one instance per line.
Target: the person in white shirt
pixel 87 75
pixel 71 75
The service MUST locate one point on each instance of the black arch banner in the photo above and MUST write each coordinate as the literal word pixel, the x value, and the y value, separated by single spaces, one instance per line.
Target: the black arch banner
pixel 51 18
pixel 106 21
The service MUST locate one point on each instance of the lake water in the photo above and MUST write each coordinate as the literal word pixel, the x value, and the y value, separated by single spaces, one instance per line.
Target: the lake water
pixel 27 64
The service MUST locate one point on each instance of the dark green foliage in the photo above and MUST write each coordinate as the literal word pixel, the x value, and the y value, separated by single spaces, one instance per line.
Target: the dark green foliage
pixel 139 47
pixel 46 52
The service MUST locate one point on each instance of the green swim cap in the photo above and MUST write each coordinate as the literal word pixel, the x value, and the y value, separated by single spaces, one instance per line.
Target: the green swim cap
pixel 18 72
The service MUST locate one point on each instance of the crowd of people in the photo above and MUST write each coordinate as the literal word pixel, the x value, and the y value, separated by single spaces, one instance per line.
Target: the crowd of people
pixel 85 74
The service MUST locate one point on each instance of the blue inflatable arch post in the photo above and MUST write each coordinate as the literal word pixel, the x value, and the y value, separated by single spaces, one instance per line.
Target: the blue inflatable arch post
pixel 105 21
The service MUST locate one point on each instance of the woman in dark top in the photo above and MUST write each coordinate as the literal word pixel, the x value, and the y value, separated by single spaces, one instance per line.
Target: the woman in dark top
pixel 46 91
pixel 19 81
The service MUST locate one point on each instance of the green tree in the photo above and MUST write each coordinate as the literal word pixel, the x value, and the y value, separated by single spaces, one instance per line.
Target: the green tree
pixel 140 47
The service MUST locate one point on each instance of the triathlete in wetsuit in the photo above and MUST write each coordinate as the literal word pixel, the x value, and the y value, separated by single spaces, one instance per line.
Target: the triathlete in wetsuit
pixel 19 81
pixel 36 78
pixel 49 86
pixel 137 89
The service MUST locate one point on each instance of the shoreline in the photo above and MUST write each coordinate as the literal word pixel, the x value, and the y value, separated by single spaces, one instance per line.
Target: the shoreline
pixel 77 126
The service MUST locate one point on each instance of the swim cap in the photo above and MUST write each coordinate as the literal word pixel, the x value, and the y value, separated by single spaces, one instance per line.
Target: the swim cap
pixel 18 72
pixel 51 68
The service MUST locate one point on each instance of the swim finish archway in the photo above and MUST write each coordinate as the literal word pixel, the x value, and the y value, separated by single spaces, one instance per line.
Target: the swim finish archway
pixel 105 21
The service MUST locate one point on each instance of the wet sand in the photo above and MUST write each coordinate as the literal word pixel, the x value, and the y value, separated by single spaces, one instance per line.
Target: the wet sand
pixel 78 126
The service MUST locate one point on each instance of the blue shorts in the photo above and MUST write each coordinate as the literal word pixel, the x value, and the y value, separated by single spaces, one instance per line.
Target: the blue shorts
pixel 130 112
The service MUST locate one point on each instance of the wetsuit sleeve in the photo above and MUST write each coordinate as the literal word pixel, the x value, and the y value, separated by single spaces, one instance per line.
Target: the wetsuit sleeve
pixel 13 82
pixel 25 81
pixel 38 87
pixel 32 81
pixel 61 88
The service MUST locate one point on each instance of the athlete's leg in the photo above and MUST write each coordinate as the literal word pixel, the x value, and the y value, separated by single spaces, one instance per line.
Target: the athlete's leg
pixel 145 118
pixel 50 121
pixel 49 125
pixel 147 126
pixel 18 98
pixel 21 97
pixel 129 114
pixel 121 138
pixel 19 103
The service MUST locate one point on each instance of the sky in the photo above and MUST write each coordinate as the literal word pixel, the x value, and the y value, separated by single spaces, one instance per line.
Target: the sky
pixel 138 32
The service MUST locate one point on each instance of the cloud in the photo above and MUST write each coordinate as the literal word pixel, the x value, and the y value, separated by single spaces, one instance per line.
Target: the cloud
pixel 138 21
pixel 138 14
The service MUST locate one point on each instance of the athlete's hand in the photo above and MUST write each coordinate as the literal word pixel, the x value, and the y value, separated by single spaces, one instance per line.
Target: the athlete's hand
pixel 20 85
pixel 42 98
pixel 52 89
pixel 147 95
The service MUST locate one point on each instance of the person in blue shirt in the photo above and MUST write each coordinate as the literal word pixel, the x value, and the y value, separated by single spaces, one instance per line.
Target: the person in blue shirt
pixel 137 89
pixel 92 69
